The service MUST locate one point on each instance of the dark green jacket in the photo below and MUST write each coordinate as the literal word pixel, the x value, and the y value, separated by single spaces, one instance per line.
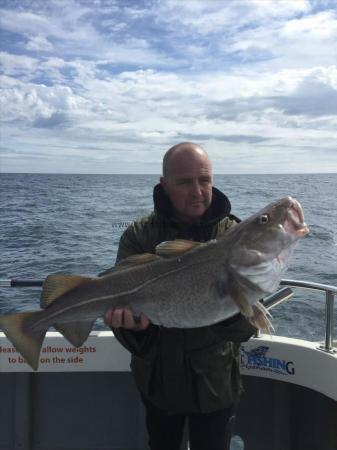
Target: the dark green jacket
pixel 184 370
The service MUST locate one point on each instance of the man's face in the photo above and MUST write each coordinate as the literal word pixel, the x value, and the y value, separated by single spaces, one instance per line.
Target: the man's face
pixel 188 185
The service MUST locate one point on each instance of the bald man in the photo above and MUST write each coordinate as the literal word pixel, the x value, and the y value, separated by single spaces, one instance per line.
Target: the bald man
pixel 183 373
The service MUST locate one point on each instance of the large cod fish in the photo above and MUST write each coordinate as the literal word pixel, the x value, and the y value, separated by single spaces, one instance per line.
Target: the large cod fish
pixel 185 284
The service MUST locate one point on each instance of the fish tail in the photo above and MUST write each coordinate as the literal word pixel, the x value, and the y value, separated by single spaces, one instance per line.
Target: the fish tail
pixel 260 319
pixel 19 329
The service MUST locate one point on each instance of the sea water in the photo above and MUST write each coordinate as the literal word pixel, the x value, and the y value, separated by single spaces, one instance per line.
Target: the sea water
pixel 72 224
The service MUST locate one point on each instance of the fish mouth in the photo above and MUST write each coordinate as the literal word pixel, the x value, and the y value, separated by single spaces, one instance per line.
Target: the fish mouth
pixel 294 222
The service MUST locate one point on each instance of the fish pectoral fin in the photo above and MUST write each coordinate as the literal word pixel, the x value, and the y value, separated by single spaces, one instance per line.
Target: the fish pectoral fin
pixel 242 303
pixel 75 332
pixel 260 319
pixel 134 260
pixel 19 330
pixel 236 293
pixel 256 314
pixel 54 286
pixel 176 247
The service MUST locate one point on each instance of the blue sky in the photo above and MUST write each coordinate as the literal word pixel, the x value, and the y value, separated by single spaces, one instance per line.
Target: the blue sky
pixel 107 86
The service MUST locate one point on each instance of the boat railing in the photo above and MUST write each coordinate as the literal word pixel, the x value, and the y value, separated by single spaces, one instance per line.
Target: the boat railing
pixel 330 291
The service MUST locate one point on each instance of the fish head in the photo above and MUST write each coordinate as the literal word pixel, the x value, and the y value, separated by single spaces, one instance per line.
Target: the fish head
pixel 267 239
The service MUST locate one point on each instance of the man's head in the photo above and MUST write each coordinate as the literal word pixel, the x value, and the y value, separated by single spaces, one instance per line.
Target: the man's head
pixel 187 180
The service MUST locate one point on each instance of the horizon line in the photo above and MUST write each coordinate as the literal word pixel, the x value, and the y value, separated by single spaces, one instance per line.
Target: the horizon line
pixel 159 175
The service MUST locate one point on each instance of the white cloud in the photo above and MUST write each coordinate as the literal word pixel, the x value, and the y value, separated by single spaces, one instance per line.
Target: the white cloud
pixel 225 16
pixel 26 22
pixel 68 28
pixel 249 77
pixel 306 42
pixel 17 64
pixel 164 104
pixel 39 43
pixel 322 25
pixel 29 102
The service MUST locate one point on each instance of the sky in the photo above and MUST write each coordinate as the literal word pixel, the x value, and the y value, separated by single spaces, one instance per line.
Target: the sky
pixel 107 86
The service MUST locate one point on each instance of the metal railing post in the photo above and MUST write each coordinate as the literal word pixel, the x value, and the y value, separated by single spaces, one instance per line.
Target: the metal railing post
pixel 329 304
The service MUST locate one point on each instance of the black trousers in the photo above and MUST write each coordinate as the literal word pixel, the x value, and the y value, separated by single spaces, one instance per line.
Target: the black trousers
pixel 210 431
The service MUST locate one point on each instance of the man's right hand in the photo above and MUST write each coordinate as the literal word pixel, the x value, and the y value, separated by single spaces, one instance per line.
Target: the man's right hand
pixel 123 318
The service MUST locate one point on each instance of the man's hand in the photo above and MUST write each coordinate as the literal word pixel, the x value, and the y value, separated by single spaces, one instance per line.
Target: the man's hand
pixel 123 318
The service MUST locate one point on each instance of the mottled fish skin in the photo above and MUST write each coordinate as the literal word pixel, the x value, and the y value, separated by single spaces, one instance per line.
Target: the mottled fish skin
pixel 192 285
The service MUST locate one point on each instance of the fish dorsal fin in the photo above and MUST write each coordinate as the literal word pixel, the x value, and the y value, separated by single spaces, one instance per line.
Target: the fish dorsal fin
pixel 134 260
pixel 176 247
pixel 56 285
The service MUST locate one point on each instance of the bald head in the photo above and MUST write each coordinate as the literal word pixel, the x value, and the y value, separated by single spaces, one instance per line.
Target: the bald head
pixel 187 180
pixel 185 151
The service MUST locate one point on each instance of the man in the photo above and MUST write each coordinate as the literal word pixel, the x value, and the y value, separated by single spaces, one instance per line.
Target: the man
pixel 183 373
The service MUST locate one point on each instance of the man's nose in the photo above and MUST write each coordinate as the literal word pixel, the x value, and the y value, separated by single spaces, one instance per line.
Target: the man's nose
pixel 196 189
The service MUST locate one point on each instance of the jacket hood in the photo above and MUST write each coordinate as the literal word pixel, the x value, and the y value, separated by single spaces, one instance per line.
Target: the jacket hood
pixel 219 209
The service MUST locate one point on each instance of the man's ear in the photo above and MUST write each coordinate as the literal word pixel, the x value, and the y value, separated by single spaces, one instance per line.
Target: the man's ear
pixel 163 183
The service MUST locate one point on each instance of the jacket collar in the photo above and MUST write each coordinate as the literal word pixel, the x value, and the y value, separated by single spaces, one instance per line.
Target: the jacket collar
pixel 220 207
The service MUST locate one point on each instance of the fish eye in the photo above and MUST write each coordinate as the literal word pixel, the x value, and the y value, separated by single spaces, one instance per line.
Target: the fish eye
pixel 264 218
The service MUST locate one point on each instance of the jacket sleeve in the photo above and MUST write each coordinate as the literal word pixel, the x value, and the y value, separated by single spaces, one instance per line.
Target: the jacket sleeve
pixel 128 245
pixel 234 329
pixel 137 342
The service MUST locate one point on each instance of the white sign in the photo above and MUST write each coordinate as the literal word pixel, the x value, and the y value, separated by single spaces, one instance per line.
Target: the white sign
pixel 290 360
pixel 101 352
